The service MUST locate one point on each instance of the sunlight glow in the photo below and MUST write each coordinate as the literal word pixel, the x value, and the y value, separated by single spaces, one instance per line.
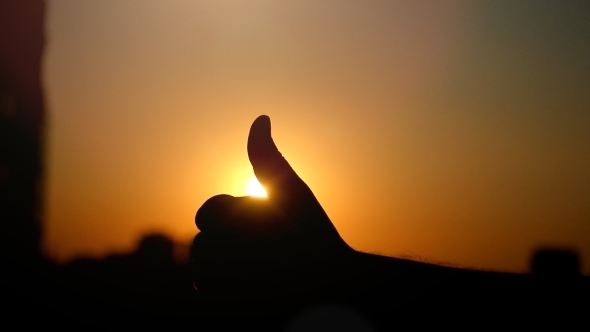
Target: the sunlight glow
pixel 255 189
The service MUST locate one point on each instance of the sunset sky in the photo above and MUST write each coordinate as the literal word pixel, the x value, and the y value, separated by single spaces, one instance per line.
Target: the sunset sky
pixel 455 132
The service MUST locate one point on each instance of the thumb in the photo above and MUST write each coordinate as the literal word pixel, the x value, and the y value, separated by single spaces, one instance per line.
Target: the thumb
pixel 273 172
pixel 285 188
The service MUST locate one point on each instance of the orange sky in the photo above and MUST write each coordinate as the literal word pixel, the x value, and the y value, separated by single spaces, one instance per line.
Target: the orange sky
pixel 453 132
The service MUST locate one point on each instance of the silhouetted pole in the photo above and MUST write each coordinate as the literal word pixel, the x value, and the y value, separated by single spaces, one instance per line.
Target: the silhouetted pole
pixel 22 116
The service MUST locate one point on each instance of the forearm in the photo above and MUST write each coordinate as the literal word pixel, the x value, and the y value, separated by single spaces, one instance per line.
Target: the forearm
pixel 368 280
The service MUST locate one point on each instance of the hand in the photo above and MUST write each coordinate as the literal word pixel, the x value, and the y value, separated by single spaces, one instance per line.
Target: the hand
pixel 255 248
pixel 253 252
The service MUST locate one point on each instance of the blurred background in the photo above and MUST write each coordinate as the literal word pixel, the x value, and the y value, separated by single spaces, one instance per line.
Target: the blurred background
pixel 455 132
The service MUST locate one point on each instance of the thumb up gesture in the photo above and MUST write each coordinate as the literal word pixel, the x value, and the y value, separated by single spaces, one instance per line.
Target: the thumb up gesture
pixel 281 246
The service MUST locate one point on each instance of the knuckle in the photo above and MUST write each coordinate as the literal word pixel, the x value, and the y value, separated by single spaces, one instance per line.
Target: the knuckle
pixel 211 211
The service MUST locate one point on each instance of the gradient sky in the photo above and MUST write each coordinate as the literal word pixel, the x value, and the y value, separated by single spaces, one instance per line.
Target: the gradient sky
pixel 448 131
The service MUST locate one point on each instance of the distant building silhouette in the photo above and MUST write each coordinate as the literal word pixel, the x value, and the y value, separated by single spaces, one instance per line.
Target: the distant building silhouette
pixel 22 117
pixel 555 262
pixel 155 250
pixel 145 281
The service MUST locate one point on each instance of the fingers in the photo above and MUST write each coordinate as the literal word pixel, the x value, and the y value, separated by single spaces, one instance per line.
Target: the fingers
pixel 218 265
pixel 229 267
pixel 243 216
pixel 210 210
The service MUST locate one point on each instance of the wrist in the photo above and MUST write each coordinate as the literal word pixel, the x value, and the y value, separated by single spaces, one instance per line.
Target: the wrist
pixel 333 277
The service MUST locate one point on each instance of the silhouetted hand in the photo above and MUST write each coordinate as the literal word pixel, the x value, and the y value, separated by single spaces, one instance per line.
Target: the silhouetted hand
pixel 267 253
pixel 256 248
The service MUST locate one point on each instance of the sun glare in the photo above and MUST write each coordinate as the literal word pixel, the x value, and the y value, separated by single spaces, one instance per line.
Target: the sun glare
pixel 255 189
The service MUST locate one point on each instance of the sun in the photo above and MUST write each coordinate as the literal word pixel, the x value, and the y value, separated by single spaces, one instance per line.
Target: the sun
pixel 255 189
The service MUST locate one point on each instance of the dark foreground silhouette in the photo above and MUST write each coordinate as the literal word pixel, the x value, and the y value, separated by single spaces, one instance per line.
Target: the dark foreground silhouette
pixel 278 264
pixel 272 258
